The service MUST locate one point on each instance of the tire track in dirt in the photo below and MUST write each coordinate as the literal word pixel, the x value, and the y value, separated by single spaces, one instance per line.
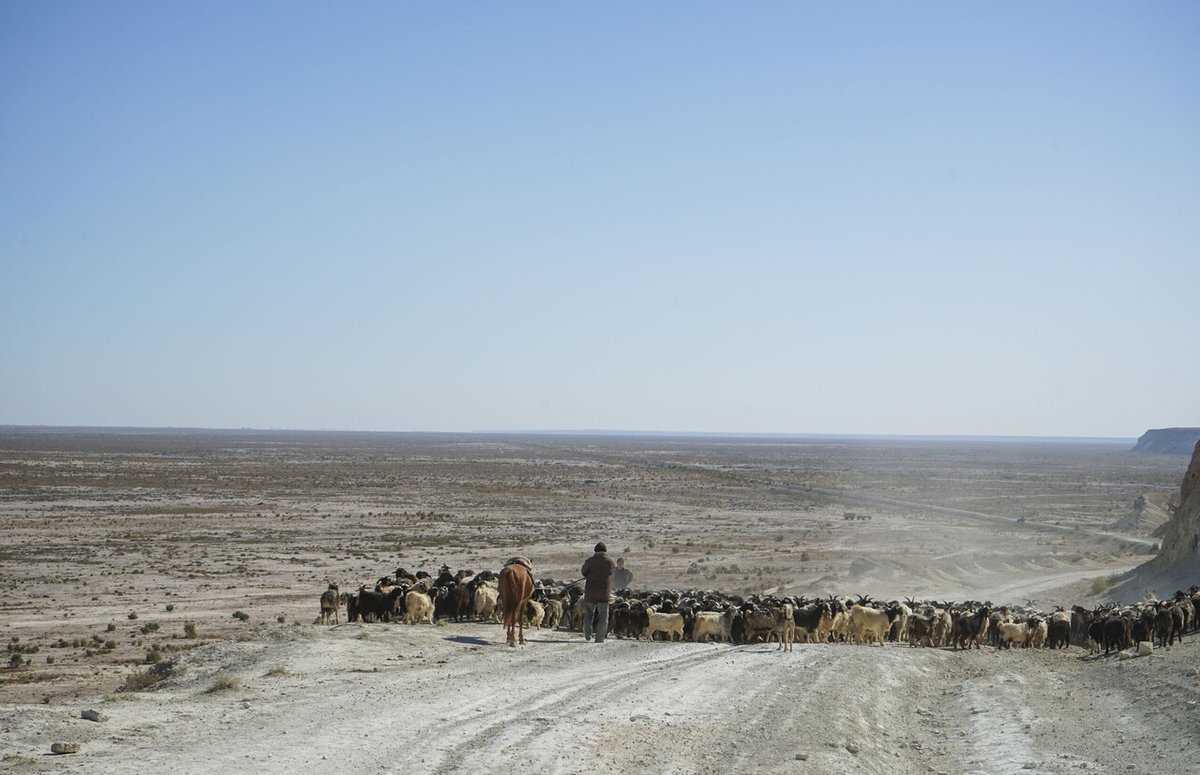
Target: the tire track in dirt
pixel 416 699
pixel 527 721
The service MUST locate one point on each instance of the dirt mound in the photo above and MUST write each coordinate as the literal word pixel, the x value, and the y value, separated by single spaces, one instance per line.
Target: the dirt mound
pixel 1147 515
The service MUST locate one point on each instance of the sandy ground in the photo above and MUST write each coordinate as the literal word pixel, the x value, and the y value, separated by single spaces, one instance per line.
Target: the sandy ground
pixel 114 542
pixel 447 699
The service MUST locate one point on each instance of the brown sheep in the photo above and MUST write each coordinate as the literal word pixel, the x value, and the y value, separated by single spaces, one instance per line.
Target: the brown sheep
pixel 535 612
pixel 329 604
pixel 554 612
pixel 785 626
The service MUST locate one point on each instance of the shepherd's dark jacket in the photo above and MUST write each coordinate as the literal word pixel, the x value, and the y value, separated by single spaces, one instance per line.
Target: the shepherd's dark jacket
pixel 597 571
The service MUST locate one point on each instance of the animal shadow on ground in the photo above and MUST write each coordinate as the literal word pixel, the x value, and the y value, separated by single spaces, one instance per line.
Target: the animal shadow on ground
pixel 471 640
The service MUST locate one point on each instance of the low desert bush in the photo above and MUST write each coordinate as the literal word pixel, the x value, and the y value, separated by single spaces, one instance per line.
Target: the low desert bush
pixel 141 680
pixel 223 682
pixel 16 648
pixel 189 629
pixel 241 615
pixel 1099 585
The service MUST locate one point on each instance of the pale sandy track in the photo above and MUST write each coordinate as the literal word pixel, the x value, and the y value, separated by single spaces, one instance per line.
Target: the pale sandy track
pixel 860 496
pixel 1022 589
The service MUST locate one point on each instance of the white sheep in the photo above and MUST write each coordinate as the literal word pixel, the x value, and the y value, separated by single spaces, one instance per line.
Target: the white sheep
pixel 486 599
pixel 943 625
pixel 1013 632
pixel 418 607
pixel 868 625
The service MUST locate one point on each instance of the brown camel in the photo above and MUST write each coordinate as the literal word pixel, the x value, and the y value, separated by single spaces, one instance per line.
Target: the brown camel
pixel 516 586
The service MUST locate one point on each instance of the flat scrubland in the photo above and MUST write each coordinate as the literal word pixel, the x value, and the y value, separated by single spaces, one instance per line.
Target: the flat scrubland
pixel 202 554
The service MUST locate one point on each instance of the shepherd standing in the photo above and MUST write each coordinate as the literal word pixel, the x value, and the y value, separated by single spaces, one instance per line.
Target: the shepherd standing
pixel 622 576
pixel 597 572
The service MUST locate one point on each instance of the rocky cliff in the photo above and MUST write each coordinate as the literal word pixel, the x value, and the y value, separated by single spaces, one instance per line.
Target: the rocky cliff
pixel 1168 441
pixel 1178 562
pixel 1181 544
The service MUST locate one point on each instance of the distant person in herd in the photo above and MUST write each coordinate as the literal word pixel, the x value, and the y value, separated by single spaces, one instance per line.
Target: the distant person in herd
pixel 597 572
pixel 622 576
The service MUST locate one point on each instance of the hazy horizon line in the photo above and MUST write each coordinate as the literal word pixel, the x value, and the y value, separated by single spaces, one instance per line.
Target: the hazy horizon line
pixel 611 433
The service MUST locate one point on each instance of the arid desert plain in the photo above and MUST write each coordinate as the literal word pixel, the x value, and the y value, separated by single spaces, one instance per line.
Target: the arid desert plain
pixel 202 554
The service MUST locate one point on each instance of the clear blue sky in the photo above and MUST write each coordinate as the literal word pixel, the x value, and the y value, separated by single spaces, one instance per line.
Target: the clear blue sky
pixel 892 218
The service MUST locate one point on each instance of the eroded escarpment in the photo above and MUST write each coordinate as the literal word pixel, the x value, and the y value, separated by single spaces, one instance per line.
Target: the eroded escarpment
pixel 1168 441
pixel 1178 561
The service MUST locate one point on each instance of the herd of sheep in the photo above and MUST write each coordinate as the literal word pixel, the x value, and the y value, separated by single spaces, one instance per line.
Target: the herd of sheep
pixel 702 615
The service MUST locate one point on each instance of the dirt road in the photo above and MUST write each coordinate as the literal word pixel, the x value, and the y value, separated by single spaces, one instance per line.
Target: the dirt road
pixel 855 496
pixel 452 699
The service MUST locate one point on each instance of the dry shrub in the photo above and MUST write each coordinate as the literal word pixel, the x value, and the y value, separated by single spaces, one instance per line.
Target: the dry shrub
pixel 142 680
pixel 223 682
